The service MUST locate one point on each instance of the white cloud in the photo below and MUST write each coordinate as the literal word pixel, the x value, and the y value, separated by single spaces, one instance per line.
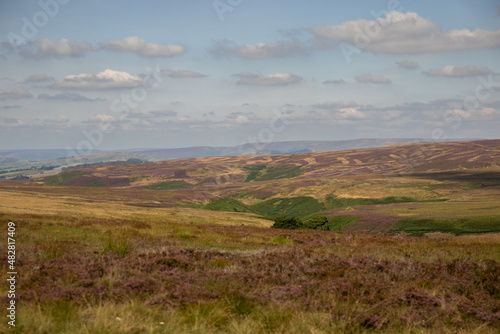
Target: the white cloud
pixel 139 46
pixel 373 78
pixel 336 105
pixel 277 79
pixel 60 119
pixel 182 74
pixel 350 113
pixel 259 50
pixel 407 33
pixel 107 79
pixel 10 122
pixel 458 71
pixel 408 65
pixel 17 93
pixel 45 48
pixel 482 113
pixel 68 96
pixel 102 118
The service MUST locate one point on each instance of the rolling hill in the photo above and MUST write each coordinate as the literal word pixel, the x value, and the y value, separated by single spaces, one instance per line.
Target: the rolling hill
pixel 378 186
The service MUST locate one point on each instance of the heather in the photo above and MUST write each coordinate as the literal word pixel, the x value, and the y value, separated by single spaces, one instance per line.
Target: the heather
pixel 137 276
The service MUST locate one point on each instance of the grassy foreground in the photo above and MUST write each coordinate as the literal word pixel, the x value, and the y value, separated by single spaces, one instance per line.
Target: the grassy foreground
pixel 92 274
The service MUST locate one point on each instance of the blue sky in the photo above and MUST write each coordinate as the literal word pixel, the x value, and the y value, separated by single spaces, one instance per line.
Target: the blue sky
pixel 74 74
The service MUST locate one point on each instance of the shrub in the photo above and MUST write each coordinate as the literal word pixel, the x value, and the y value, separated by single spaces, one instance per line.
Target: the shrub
pixel 317 223
pixel 287 222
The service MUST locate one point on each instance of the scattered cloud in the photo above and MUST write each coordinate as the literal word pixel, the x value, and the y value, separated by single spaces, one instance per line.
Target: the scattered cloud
pixel 45 48
pixel 38 77
pixel 236 114
pixel 68 96
pixel 59 119
pixel 9 122
pixel 335 105
pixel 373 78
pixel 277 79
pixel 259 50
pixel 408 65
pixel 139 46
pixel 334 82
pixel 108 79
pixel 350 113
pixel 182 74
pixel 17 93
pixel 458 71
pixel 152 114
pixel 242 117
pixel 407 33
pixel 102 118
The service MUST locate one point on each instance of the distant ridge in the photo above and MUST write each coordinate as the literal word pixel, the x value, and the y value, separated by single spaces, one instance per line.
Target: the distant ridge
pixel 275 148
pixel 32 162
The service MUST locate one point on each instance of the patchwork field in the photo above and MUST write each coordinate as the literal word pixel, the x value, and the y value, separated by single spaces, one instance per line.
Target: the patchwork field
pixel 411 244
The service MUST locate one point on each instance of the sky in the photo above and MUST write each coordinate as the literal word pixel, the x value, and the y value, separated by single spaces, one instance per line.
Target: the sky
pixel 107 75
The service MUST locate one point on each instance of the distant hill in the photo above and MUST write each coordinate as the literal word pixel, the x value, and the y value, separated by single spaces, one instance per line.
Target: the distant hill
pixel 274 148
pixel 268 173
pixel 373 187
pixel 30 162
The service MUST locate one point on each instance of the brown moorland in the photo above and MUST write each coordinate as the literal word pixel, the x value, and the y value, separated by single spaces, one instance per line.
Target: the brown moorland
pixel 160 254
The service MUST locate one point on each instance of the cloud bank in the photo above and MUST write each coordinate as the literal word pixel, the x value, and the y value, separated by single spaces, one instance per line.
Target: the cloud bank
pixel 373 78
pixel 277 79
pixel 406 33
pixel 17 93
pixel 139 46
pixel 108 79
pixel 458 71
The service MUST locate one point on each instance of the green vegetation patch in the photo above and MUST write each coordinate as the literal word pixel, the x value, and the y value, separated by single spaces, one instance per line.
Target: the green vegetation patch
pixel 96 184
pixel 263 173
pixel 334 202
pixel 339 223
pixel 335 223
pixel 457 226
pixel 276 173
pixel 228 204
pixel 294 206
pixel 63 178
pixel 168 185
pixel 254 172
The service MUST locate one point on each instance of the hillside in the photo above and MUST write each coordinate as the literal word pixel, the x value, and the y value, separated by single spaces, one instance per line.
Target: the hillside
pixel 35 163
pixel 378 187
